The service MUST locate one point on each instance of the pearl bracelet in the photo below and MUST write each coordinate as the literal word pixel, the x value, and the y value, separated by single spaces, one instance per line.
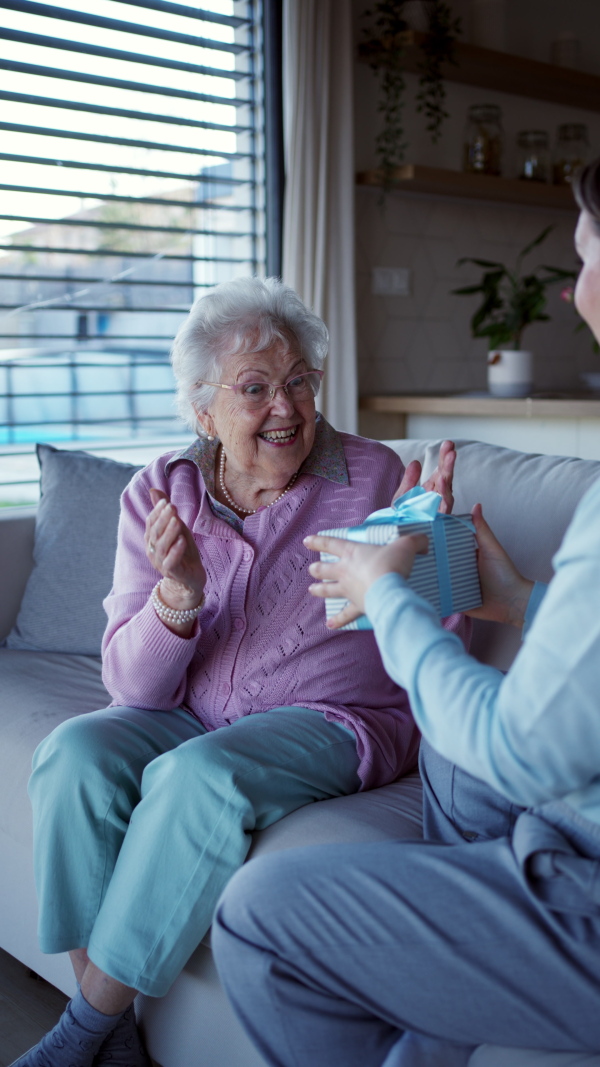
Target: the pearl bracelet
pixel 167 614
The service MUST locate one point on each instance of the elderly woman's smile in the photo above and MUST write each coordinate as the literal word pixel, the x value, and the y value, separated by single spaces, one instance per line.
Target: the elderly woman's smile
pixel 280 438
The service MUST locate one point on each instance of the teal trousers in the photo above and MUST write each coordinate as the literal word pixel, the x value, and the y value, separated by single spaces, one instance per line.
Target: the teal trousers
pixel 141 817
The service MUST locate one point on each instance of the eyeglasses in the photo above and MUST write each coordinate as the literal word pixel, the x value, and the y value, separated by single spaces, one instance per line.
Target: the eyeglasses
pixel 257 394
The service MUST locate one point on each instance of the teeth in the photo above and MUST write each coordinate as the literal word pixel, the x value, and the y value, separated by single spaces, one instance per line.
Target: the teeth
pixel 278 435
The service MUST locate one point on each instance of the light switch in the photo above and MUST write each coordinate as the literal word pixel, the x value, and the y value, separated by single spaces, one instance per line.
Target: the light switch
pixel 390 281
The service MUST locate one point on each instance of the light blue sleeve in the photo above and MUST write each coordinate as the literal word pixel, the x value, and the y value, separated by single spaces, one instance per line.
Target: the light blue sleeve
pixel 537 595
pixel 533 734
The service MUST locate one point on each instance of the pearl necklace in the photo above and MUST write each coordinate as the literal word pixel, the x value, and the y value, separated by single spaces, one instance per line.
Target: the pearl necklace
pixel 230 500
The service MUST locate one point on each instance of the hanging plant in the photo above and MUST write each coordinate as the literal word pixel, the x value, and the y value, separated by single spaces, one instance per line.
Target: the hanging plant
pixel 438 47
pixel 386 41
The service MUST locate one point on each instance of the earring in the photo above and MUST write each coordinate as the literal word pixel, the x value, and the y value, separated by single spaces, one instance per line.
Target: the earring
pixel 209 437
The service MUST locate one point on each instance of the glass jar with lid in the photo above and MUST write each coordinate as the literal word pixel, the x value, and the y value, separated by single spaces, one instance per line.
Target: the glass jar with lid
pixel 571 152
pixel 533 164
pixel 483 140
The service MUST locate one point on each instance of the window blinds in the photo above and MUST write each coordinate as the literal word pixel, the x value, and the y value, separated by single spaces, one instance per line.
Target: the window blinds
pixel 132 178
pixel 131 165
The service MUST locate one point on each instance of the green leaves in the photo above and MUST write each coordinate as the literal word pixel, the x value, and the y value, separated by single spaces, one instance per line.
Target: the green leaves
pixel 536 241
pixel 510 300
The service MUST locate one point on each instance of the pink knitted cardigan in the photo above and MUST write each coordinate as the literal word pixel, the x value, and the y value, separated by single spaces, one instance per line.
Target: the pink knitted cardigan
pixel 260 641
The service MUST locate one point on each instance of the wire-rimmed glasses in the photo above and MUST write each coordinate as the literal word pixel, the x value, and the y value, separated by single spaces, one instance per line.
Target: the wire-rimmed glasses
pixel 257 394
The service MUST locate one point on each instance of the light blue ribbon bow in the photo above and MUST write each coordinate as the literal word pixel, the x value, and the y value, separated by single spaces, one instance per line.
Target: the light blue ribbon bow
pixel 417 505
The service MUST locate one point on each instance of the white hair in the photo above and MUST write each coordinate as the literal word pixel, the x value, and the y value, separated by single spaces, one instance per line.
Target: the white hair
pixel 239 316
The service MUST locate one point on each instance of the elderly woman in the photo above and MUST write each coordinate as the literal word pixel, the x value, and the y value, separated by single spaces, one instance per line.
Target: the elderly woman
pixel 434 948
pixel 233 704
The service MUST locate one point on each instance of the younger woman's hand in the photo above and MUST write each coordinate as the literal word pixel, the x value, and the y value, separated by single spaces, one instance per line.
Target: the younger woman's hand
pixel 504 590
pixel 358 567
pixel 171 549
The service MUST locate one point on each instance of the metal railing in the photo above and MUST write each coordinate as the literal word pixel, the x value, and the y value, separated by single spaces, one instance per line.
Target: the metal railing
pixel 108 402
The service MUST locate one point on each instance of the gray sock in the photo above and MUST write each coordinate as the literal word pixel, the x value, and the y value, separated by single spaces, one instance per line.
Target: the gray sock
pixel 75 1039
pixel 124 1046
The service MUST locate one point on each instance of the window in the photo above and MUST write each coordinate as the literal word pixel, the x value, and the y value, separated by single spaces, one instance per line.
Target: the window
pixel 132 179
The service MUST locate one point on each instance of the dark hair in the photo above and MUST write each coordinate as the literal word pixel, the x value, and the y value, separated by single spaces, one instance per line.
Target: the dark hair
pixel 586 189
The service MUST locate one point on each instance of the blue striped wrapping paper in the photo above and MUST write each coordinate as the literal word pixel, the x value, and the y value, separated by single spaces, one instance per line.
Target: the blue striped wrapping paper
pixel 447 576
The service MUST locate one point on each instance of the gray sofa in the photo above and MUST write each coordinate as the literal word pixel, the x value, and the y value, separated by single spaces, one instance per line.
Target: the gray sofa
pixel 53 576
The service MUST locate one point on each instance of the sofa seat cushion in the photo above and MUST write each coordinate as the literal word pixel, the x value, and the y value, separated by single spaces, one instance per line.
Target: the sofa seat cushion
pixel 39 690
pixel 389 813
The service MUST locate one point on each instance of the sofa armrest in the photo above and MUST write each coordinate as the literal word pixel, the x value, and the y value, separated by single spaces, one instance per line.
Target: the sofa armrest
pixel 17 527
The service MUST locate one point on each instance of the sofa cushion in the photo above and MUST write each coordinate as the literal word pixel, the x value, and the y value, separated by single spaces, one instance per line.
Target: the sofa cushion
pixel 391 812
pixel 39 690
pixel 528 499
pixel 74 551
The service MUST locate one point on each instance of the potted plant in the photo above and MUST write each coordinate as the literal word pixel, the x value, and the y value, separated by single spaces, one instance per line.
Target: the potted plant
pixel 385 46
pixel 511 301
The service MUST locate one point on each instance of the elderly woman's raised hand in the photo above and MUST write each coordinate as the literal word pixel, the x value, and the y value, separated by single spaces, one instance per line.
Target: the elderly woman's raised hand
pixel 439 482
pixel 171 549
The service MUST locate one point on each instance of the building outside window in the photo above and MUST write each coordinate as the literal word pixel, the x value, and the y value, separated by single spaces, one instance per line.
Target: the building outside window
pixel 132 163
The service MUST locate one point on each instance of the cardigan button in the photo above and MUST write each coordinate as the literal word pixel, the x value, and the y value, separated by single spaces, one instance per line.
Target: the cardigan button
pixel 238 624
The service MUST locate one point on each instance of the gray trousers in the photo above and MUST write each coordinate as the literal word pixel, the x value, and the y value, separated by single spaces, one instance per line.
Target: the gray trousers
pixel 410 954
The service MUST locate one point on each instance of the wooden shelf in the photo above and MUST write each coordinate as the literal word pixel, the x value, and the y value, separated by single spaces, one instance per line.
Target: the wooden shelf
pixel 455 404
pixel 417 179
pixel 506 73
pixel 524 77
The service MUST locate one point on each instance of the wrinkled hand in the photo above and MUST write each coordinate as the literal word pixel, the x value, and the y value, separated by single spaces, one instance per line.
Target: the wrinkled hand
pixel 171 549
pixel 358 567
pixel 504 590
pixel 439 482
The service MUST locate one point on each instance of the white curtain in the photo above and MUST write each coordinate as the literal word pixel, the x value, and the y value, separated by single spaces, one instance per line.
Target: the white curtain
pixel 318 224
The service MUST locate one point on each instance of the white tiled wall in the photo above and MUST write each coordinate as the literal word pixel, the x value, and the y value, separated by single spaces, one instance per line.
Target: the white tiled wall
pixel 422 343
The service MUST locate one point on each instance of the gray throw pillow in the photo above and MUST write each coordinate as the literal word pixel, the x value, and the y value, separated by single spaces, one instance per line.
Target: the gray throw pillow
pixel 74 553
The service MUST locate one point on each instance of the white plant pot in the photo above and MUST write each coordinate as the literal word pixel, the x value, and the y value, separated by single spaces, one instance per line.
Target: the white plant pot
pixel 510 372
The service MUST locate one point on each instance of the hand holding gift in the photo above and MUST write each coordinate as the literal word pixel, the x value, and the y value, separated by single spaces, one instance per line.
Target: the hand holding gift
pixel 445 572
pixel 358 566
pixel 439 482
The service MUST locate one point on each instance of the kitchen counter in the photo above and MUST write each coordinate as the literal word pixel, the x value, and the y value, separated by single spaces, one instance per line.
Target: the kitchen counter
pixel 551 423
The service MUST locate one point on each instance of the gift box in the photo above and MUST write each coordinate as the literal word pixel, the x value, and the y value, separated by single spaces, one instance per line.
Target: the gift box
pixel 447 576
